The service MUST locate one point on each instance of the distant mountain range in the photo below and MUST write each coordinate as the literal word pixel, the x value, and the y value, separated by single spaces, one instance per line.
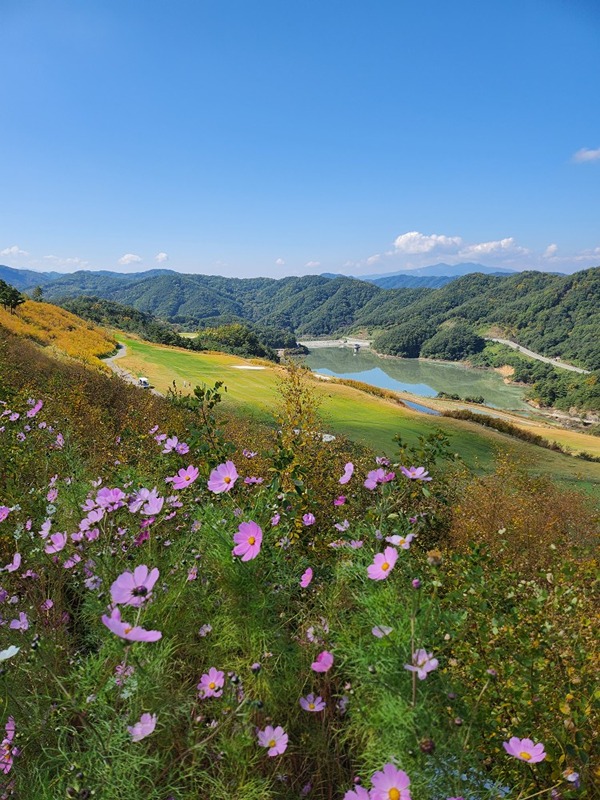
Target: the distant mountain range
pixel 556 315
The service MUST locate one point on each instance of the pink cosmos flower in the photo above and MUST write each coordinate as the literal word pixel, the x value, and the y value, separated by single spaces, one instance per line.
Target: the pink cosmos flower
pixel 252 480
pixel 134 588
pixel 323 662
pixel 7 751
pixel 276 739
pixel 381 630
pixel 312 703
pixel 170 444
pixel 110 499
pixel 14 564
pixel 358 793
pixel 211 683
pixel 306 578
pixel 422 663
pixel 248 540
pixel 382 565
pixel 223 478
pixel 248 453
pixel 308 519
pixel 21 624
pixel 339 501
pixel 348 471
pixel 52 495
pixel 184 477
pixel 58 540
pixel 143 727
pixel 525 750
pixel 377 476
pixel 35 410
pixel 275 519
pixel 125 630
pixel 400 541
pixel 390 784
pixel 415 473
pixel 4 512
pixel 342 526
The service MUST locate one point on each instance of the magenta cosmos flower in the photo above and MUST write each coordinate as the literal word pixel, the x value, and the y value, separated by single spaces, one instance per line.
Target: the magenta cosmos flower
pixel 276 739
pixel 358 793
pixel 184 477
pixel 247 540
pixel 383 564
pixel 143 727
pixel 348 472
pixel 312 703
pixel 390 784
pixel 422 663
pixel 125 630
pixel 211 683
pixel 415 473
pixel 323 662
pixel 525 750
pixel 306 578
pixel 223 478
pixel 134 588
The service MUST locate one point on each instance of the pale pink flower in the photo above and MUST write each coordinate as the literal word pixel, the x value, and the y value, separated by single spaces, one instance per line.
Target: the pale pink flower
pixel 223 478
pixel 306 578
pixel 248 453
pixel 134 588
pixel 382 565
pixel 415 473
pixel 184 478
pixel 377 476
pixel 248 540
pixel 14 564
pixel 312 703
pixel 211 683
pixel 4 512
pixel 21 624
pixel 323 662
pixel 422 663
pixel 390 783
pixel 401 541
pixel 143 727
pixel 381 630
pixel 275 519
pixel 308 519
pixel 348 471
pixel 342 526
pixel 525 750
pixel 58 540
pixel 125 630
pixel 358 793
pixel 276 739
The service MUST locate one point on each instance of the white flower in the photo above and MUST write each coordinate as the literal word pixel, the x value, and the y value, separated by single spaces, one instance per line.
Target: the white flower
pixel 9 652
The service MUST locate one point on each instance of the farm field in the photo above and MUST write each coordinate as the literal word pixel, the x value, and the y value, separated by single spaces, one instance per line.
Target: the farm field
pixel 370 420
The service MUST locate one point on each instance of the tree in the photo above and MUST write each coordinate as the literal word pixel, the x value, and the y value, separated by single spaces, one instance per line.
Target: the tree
pixel 10 298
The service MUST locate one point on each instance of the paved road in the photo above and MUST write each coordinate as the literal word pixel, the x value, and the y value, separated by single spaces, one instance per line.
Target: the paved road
pixel 121 371
pixel 531 354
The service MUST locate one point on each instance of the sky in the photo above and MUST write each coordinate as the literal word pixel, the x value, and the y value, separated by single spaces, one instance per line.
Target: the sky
pixel 280 138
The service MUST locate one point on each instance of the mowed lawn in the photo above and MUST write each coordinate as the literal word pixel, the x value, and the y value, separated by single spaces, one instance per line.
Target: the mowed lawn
pixel 370 420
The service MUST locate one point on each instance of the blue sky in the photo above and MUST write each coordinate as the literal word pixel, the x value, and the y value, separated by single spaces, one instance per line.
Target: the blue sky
pixel 268 138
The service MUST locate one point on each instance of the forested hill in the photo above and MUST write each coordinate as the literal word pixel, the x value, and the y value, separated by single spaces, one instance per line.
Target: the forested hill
pixel 556 315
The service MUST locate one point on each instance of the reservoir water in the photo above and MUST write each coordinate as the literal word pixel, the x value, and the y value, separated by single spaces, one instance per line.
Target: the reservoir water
pixel 422 378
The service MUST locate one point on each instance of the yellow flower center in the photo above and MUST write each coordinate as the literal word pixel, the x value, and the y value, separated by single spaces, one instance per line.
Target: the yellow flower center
pixel 212 685
pixel 226 479
pixel 251 540
pixel 525 756
pixel 311 706
pixel 385 566
pixel 272 743
pixel 128 630
pixel 394 794
pixel 187 477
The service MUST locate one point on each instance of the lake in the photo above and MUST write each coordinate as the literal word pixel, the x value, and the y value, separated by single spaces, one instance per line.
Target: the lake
pixel 422 378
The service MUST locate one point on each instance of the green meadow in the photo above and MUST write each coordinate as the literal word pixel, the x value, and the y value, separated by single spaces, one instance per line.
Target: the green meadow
pixel 370 420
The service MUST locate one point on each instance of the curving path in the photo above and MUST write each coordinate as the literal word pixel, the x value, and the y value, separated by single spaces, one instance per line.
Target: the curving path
pixel 121 371
pixel 545 359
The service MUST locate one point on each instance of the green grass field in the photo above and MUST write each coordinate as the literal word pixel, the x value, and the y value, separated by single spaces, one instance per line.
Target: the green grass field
pixel 370 420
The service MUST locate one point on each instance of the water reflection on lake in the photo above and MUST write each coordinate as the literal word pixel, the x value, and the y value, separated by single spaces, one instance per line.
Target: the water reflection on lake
pixel 423 378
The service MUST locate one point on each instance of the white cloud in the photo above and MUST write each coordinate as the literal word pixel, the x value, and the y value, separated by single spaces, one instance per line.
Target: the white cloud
pixel 313 264
pixel 280 262
pixel 503 247
pixel 374 259
pixel 550 251
pixel 414 242
pixel 161 258
pixel 57 261
pixel 585 154
pixel 15 250
pixel 129 258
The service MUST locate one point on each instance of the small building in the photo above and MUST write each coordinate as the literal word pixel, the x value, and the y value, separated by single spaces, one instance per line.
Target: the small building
pixel 144 383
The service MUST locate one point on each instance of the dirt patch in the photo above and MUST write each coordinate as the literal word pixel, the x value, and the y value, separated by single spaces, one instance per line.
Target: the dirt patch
pixel 506 371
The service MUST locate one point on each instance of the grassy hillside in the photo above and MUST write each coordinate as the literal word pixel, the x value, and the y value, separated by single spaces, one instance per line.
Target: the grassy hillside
pixel 370 420
pixel 54 327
